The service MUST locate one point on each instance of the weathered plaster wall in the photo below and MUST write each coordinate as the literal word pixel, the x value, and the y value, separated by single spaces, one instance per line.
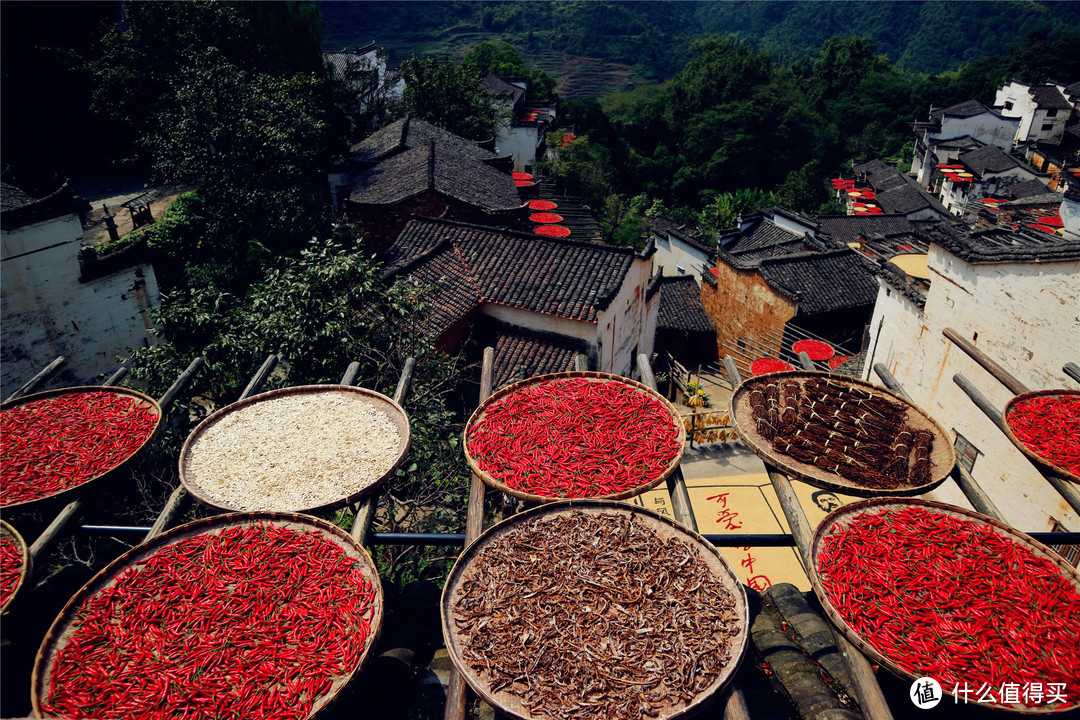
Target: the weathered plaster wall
pixel 1024 315
pixel 743 305
pixel 48 311
pixel 672 254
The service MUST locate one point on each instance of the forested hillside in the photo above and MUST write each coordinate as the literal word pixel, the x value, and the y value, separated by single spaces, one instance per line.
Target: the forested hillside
pixel 642 42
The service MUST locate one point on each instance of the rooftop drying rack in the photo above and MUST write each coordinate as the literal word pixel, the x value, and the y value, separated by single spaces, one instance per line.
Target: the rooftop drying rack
pixel 866 687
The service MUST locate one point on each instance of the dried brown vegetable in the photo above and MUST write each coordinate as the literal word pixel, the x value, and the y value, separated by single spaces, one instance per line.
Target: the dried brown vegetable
pixel 861 436
pixel 586 615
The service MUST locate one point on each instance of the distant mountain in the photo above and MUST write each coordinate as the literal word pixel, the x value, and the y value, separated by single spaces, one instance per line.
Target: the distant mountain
pixel 651 40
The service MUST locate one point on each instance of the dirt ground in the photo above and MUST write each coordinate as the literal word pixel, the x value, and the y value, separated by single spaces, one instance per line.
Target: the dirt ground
pixel 95 232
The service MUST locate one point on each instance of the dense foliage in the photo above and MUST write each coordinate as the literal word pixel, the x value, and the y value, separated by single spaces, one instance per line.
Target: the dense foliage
pixel 654 38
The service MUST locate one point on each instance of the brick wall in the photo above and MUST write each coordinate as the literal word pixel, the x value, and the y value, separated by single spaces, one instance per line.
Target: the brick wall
pixel 742 304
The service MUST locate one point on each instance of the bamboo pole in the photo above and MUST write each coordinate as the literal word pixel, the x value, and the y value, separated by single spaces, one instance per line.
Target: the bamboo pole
pixel 38 380
pixel 179 497
pixel 867 690
pixel 1072 370
pixel 971 489
pixel 989 364
pixel 456 695
pixel 365 514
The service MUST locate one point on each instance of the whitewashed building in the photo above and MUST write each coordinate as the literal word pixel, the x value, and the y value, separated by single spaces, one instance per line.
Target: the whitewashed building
pixel 955 129
pixel 991 172
pixel 523 132
pixel 680 249
pixel 1042 110
pixel 1015 296
pixel 89 312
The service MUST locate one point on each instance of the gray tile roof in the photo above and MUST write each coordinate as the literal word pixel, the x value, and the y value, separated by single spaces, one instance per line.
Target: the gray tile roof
pixel 410 132
pixel 849 228
pixel 13 198
pixel 435 167
pixel 968 108
pixel 689 234
pixel 680 306
pixel 1043 198
pixel 495 85
pixel 1048 97
pixel 567 279
pixel 761 240
pixel 989 159
pixel 822 282
pixel 1028 188
pixel 521 354
pixel 1002 244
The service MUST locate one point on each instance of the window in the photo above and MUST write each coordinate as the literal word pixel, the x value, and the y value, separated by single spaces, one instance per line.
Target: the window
pixel 1051 113
pixel 1047 126
pixel 681 270
pixel 1071 553
pixel 1008 105
pixel 965 451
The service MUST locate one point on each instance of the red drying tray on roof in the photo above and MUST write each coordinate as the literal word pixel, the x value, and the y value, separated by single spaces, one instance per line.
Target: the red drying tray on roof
pixel 838 360
pixel 1052 221
pixel 521 175
pixel 551 230
pixel 545 217
pixel 763 366
pixel 524 183
pixel 1045 229
pixel 542 205
pixel 815 349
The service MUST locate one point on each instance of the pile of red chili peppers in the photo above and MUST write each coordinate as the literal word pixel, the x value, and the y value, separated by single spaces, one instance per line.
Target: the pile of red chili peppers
pixel 953 599
pixel 255 621
pixel 574 438
pixel 11 565
pixel 62 441
pixel 815 349
pixel 1049 425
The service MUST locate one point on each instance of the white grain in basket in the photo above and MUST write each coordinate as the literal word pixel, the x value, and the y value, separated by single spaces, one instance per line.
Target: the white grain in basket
pixel 294 452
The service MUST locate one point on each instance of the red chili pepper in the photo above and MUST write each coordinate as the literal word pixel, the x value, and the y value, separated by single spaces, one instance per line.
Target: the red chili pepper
pixel 11 565
pixel 952 599
pixel 60 442
pixel 257 621
pixel 575 437
pixel 1049 426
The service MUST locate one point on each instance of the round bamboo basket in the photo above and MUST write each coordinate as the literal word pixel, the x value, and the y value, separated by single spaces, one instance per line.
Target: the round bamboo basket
pixel 666 528
pixel 7 532
pixel 1039 460
pixel 113 473
pixel 845 515
pixel 942 457
pixel 63 628
pixel 393 412
pixel 478 417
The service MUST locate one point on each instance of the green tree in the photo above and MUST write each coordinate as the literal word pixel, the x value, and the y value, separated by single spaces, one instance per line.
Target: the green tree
pixel 503 60
pixel 449 96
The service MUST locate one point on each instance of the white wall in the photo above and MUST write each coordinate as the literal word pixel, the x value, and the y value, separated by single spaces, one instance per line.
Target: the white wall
pixel 48 311
pixel 519 141
pixel 1031 117
pixel 673 253
pixel 1025 316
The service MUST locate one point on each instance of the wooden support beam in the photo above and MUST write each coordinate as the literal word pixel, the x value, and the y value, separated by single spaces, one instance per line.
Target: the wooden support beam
pixel 179 498
pixel 1065 488
pixel 1072 370
pixel 365 514
pixel 971 489
pixel 867 690
pixel 116 377
pixel 352 373
pixel 806 362
pixel 456 692
pixel 38 380
pixel 581 362
pixel 989 364
pixel 181 381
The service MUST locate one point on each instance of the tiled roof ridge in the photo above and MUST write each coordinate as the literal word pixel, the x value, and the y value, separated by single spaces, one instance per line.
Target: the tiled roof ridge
pixel 392 269
pixel 562 242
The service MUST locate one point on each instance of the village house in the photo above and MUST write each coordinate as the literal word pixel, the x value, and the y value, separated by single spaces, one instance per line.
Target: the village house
pixel 1042 110
pixel 59 299
pixel 987 172
pixel 523 133
pixel 680 249
pixel 1013 294
pixel 363 70
pixel 412 167
pixel 771 285
pixel 897 193
pixel 955 129
pixel 683 327
pixel 552 295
